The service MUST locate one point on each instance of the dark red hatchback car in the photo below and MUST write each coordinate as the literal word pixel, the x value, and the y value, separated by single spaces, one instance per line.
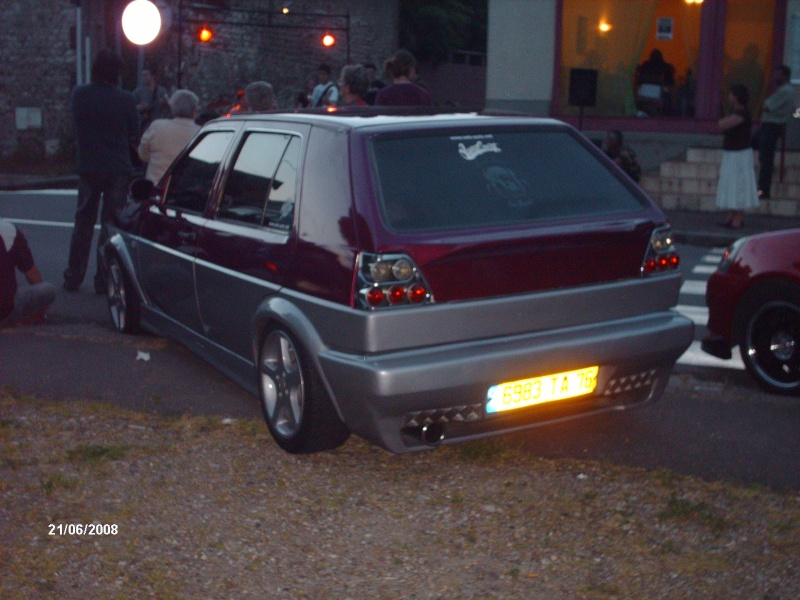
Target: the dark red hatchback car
pixel 412 279
pixel 754 302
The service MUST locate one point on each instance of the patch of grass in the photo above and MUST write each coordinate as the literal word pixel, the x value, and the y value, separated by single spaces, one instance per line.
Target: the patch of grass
pixel 251 427
pixel 481 450
pixel 668 547
pixel 602 589
pixel 683 509
pixel 55 482
pixel 665 476
pixel 94 454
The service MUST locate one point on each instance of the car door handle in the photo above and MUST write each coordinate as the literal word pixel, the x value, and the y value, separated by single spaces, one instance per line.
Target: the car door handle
pixel 188 237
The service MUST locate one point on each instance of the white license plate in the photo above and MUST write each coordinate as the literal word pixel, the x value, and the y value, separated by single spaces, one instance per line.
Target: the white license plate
pixel 538 390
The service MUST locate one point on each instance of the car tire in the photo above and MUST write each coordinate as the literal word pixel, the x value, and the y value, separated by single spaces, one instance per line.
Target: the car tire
pixel 123 300
pixel 770 339
pixel 295 403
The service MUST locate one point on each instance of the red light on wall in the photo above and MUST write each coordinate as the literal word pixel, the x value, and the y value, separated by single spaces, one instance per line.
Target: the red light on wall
pixel 328 40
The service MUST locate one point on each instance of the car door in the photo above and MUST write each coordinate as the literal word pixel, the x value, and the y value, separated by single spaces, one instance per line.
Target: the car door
pixel 171 231
pixel 247 246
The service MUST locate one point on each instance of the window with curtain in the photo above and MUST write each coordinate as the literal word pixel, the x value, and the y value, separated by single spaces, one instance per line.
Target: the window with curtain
pixel 749 28
pixel 609 36
pixel 615 37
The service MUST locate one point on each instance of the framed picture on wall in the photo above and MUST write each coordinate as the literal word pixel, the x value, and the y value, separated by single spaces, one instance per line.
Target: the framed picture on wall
pixel 664 28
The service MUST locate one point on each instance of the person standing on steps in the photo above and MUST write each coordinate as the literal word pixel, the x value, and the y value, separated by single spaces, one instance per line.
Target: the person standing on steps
pixel 736 186
pixel 777 110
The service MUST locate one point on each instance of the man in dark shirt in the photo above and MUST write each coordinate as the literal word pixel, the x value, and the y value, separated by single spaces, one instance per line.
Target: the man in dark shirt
pixel 403 91
pixel 26 305
pixel 107 128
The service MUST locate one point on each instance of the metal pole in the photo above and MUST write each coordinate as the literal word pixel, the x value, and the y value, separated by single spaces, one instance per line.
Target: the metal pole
pixel 87 57
pixel 78 45
pixel 139 66
pixel 180 40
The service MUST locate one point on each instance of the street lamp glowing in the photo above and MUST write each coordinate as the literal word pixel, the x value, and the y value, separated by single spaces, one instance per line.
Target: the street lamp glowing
pixel 141 22
pixel 205 34
pixel 328 40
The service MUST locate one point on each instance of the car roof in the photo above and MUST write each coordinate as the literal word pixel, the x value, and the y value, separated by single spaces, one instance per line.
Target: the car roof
pixel 371 117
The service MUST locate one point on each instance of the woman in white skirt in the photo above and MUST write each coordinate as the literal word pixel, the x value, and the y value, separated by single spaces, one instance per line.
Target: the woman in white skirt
pixel 736 188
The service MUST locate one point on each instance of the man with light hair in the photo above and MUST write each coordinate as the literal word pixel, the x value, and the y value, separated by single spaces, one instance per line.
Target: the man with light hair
pixel 353 83
pixel 166 138
pixel 259 96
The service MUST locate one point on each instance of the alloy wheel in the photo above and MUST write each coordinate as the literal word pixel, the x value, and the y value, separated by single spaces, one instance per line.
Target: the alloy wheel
pixel 771 345
pixel 281 380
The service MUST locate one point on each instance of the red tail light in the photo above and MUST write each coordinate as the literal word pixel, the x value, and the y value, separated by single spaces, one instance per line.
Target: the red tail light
pixel 661 253
pixel 389 280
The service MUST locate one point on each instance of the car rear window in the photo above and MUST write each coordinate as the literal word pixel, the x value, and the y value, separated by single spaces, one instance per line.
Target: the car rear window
pixel 450 181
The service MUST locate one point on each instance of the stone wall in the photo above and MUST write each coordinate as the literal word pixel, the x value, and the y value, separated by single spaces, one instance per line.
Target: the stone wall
pixel 38 70
pixel 285 52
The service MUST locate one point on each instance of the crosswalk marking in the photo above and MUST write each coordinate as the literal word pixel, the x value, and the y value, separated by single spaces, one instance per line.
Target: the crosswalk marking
pixel 704 269
pixel 694 287
pixel 695 356
pixel 690 289
pixel 698 314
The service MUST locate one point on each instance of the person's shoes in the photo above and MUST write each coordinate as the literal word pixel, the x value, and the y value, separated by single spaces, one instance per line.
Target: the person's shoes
pixel 71 286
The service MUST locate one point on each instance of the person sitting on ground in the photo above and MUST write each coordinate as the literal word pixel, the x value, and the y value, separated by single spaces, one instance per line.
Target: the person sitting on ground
pixel 259 96
pixel 614 146
pixel 403 91
pixel 27 305
pixel 353 83
pixel 166 138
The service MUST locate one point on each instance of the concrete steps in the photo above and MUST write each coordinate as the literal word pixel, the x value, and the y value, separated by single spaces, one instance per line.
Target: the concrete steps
pixel 691 184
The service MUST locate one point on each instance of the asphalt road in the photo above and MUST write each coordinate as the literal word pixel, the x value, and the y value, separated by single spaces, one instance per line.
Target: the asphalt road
pixel 711 422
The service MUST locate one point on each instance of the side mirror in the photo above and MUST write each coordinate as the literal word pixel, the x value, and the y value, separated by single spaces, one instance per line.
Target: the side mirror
pixel 141 189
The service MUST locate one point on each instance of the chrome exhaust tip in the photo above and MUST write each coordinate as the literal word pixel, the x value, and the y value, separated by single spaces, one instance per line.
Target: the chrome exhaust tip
pixel 432 434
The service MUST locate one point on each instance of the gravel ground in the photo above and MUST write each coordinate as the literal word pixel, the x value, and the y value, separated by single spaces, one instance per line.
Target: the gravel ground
pixel 212 508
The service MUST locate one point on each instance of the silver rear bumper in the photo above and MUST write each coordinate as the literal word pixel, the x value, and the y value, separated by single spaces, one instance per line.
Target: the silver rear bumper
pixel 385 397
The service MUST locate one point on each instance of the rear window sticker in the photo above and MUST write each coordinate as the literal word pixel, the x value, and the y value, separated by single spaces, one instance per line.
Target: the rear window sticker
pixel 477 149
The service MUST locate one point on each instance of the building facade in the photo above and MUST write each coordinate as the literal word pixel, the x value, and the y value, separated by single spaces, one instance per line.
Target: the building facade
pixel 48 45
pixel 545 56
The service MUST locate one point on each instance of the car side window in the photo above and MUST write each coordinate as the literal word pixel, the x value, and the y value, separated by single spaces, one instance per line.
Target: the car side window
pixel 280 208
pixel 252 177
pixel 192 178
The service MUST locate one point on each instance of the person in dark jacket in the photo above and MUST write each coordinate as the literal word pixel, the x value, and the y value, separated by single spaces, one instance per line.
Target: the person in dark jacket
pixel 107 130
